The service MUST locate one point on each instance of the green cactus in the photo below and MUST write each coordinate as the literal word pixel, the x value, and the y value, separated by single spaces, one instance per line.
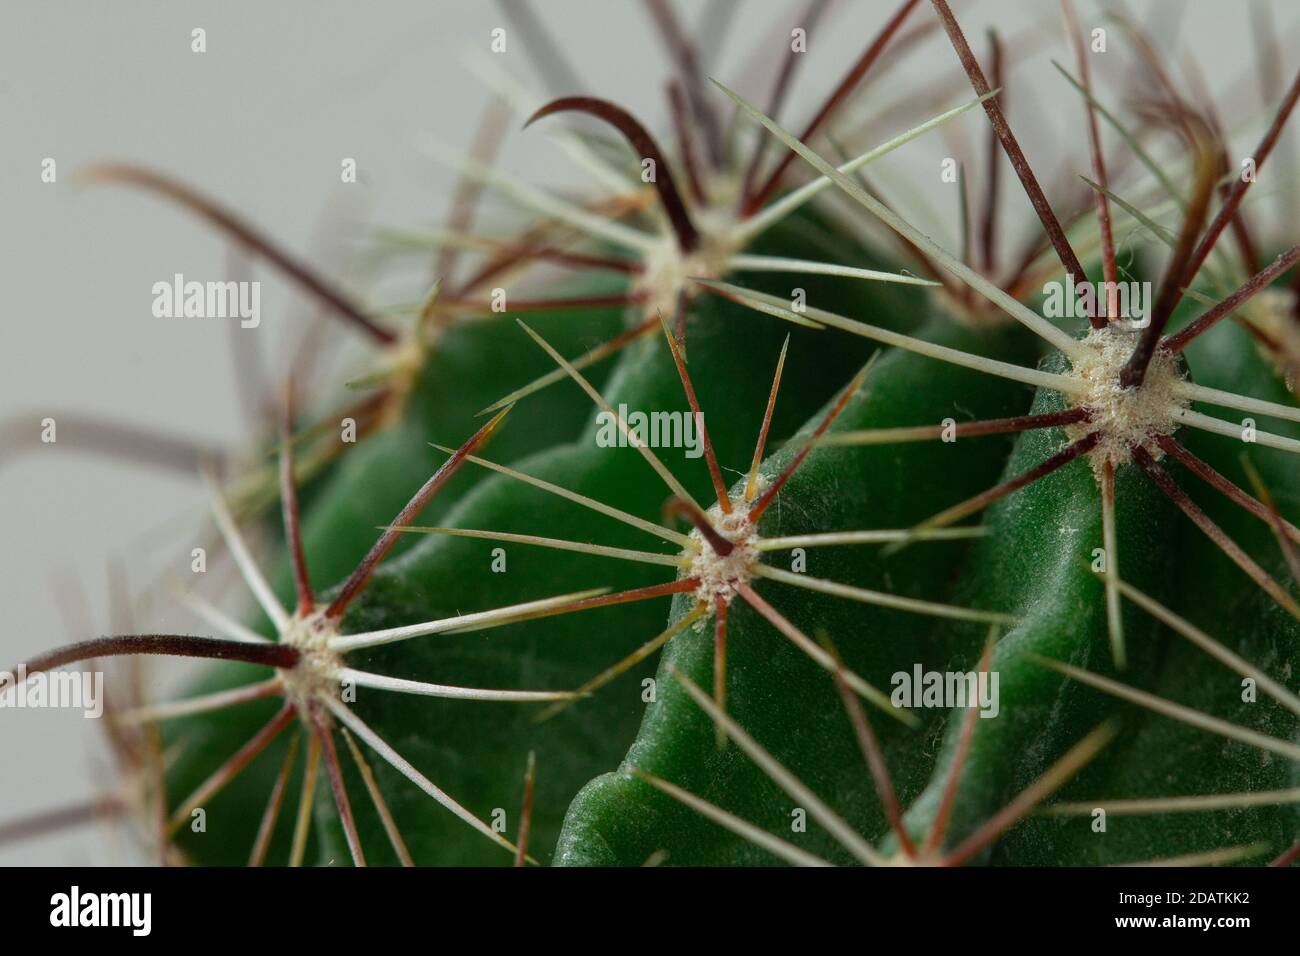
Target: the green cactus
pixel 946 482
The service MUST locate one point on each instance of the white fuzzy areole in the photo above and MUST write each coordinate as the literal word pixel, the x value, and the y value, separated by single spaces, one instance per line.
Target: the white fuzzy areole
pixel 1124 417
pixel 667 271
pixel 313 677
pixel 719 574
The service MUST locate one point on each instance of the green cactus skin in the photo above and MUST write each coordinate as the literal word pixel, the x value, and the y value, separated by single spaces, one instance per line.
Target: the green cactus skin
pixel 774 690
pixel 479 750
pixel 1032 564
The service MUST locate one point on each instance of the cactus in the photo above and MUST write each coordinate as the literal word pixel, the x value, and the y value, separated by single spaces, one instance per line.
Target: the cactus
pixel 589 649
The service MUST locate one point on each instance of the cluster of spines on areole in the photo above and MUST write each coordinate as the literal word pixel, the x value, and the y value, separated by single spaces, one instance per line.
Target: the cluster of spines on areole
pixel 1123 410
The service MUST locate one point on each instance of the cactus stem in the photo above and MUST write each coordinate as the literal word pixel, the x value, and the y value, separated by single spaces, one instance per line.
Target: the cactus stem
pixel 1186 715
pixel 819 656
pixel 817 808
pixel 1052 780
pixel 403 766
pixel 720 606
pixel 722 564
pixel 309 662
pixel 985 498
pixel 782 849
pixel 631 660
pixel 1208 644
